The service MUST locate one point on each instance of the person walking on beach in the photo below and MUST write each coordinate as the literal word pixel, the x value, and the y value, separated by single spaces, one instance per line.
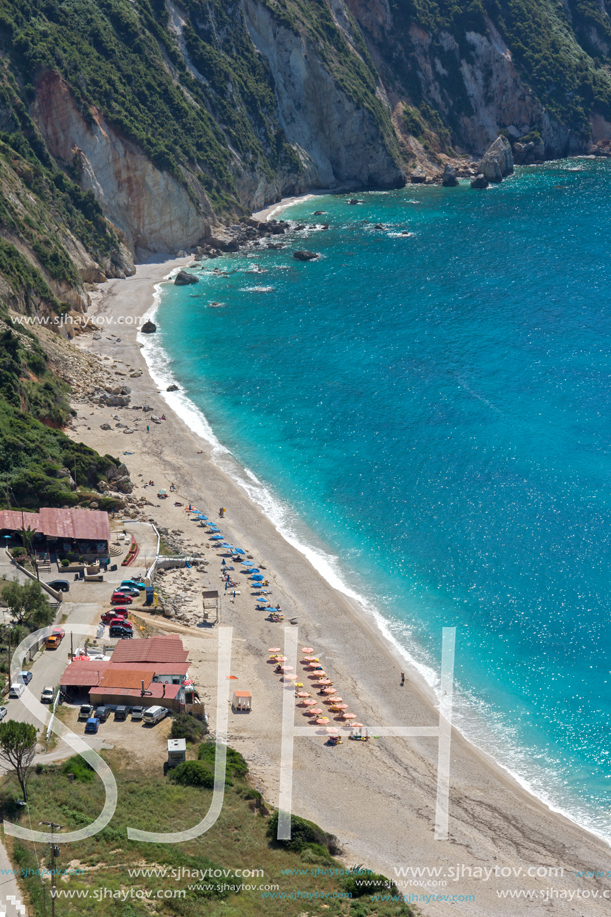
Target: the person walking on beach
pixel 402 679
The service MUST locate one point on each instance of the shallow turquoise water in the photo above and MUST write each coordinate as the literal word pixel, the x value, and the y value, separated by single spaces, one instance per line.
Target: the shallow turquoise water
pixel 436 407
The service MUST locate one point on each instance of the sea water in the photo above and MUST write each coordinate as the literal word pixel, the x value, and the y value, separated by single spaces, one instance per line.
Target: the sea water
pixel 426 410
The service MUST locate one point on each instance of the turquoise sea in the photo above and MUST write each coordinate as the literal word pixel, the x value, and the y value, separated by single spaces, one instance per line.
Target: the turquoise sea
pixel 429 416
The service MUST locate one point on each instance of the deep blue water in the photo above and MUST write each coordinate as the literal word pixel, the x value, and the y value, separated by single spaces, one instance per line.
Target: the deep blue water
pixel 436 407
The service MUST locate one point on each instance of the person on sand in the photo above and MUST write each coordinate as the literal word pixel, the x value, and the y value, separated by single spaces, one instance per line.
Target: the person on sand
pixel 402 679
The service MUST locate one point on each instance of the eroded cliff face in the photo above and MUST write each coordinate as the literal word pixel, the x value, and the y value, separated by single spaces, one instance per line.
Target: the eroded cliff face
pixel 338 140
pixel 152 210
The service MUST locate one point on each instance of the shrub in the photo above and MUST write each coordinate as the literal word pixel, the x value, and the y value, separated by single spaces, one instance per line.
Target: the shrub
pixel 185 726
pixel 236 765
pixel 81 769
pixel 369 884
pixel 305 834
pixel 193 773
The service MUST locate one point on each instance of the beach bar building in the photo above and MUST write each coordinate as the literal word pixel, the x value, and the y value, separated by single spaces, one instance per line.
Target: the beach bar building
pixel 140 673
pixel 84 532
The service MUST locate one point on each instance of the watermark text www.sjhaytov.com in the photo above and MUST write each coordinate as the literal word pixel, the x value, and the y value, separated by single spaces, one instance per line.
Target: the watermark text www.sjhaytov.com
pixel 59 321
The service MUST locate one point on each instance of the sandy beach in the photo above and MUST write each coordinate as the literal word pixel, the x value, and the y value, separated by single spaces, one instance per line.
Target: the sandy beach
pixel 377 797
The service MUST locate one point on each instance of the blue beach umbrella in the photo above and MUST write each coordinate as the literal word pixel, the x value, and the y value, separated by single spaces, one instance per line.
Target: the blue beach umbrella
pixel 258 578
pixel 239 551
pixel 216 538
pixel 202 517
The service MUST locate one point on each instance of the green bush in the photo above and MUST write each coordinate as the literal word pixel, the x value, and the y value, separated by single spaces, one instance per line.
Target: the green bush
pixel 236 765
pixel 185 726
pixel 304 834
pixel 81 769
pixel 369 883
pixel 193 773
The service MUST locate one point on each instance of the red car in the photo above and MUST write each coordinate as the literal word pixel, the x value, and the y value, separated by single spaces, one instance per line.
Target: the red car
pixel 114 613
pixel 121 622
pixel 119 598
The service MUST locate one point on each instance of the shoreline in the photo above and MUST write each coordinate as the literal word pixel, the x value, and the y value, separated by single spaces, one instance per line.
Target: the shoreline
pixel 421 754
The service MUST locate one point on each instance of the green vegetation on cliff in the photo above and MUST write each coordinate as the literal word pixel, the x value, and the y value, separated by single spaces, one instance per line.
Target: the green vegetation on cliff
pixel 33 404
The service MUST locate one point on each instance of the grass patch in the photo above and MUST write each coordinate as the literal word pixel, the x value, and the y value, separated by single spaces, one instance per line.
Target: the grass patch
pixel 240 839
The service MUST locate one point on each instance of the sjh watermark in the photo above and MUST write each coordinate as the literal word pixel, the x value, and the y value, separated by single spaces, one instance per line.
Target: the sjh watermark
pixel 443 732
pixel 62 321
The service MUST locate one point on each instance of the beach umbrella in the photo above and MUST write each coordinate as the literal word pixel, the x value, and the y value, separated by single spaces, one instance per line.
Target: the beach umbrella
pixel 258 578
pixel 341 706
pixel 332 730
pixel 162 491
pixel 239 551
pixel 324 681
pixel 247 562
pixel 303 694
pixel 201 516
pixel 349 716
pixel 214 528
pixel 252 570
pixel 216 538
pixel 322 720
pixel 330 690
pixel 274 649
pixel 316 711
pixel 357 726
pixel 310 703
pixel 307 649
pixel 287 668
pixel 282 658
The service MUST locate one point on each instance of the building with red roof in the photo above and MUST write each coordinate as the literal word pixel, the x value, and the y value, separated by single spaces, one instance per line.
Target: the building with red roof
pixel 140 672
pixel 61 530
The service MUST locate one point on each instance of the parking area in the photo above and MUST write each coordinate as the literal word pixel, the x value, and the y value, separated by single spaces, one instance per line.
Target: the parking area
pixel 147 743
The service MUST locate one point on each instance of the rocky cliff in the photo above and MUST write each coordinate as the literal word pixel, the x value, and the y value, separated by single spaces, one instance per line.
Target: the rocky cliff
pixel 129 127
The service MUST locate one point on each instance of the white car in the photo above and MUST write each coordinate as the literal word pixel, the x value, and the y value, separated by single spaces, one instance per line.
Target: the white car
pixel 47 696
pixel 16 690
pixel 3 712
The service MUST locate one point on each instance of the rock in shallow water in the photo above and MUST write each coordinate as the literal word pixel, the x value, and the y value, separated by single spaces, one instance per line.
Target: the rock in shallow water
pixel 305 256
pixel 449 179
pixel 149 328
pixel 183 278
pixel 480 181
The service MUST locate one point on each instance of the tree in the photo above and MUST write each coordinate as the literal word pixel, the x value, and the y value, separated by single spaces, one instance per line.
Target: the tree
pixel 17 749
pixel 28 604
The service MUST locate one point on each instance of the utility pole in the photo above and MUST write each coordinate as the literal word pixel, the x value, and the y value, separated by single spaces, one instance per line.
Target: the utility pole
pixel 54 854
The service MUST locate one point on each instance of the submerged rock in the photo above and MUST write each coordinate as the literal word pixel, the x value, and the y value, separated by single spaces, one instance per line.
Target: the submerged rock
pixel 172 388
pixel 305 256
pixel 183 278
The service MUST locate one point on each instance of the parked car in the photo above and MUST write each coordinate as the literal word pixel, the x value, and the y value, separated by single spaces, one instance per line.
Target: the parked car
pixel 3 712
pixel 47 696
pixel 120 713
pixel 25 678
pixel 55 638
pixel 153 715
pixel 122 622
pixel 16 690
pixel 134 584
pixel 122 632
pixel 129 590
pixel 113 614
pixel 92 724
pixel 60 585
pixel 102 714
pixel 137 713
pixel 120 598
pixel 85 712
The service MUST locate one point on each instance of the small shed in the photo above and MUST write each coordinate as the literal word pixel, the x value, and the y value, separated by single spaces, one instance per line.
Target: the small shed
pixel 177 751
pixel 242 701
